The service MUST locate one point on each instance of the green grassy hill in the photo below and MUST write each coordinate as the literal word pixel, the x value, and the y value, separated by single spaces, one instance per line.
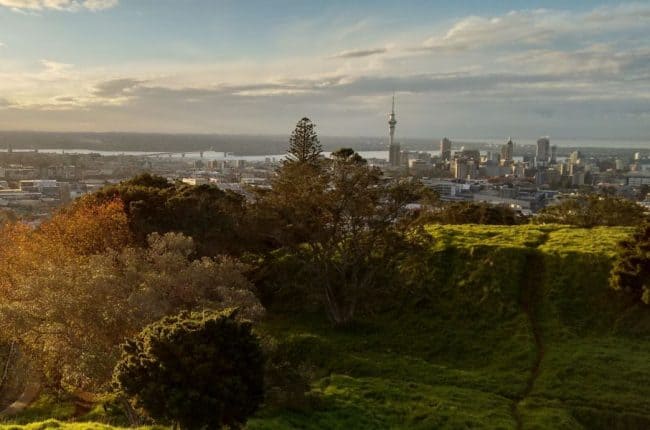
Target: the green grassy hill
pixel 504 328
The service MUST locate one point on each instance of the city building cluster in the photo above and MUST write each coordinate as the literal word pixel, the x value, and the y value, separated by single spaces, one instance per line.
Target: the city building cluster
pixel 524 178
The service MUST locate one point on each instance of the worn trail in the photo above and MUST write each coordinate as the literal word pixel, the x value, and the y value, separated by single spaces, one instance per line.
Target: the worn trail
pixel 530 296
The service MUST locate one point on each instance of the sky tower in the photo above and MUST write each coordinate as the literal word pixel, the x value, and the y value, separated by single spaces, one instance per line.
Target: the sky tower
pixel 394 150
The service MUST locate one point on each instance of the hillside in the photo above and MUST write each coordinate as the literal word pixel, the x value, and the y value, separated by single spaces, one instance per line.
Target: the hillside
pixel 505 328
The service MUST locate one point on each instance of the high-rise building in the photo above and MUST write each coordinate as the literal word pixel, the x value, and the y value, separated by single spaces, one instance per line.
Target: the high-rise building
pixel 553 154
pixel 445 149
pixel 394 149
pixel 575 157
pixel 507 150
pixel 543 152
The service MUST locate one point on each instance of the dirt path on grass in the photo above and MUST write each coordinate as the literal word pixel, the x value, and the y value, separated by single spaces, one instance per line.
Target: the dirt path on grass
pixel 530 296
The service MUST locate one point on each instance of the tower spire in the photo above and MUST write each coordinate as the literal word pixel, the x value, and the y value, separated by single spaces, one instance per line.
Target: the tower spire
pixel 394 150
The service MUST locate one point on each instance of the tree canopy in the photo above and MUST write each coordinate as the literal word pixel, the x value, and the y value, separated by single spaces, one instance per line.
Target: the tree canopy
pixel 343 221
pixel 73 290
pixel 304 146
pixel 212 217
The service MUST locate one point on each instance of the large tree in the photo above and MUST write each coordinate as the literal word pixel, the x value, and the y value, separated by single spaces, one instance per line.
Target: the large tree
pixel 200 370
pixel 304 146
pixel 344 222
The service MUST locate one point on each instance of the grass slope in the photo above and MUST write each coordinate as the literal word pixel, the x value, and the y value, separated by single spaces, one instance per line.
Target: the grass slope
pixel 504 328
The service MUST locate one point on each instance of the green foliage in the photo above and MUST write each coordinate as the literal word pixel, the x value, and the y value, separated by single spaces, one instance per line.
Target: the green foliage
pixel 212 217
pixel 199 370
pixel 54 424
pixel 631 271
pixel 593 210
pixel 455 348
pixel 472 213
pixel 304 146
pixel 343 224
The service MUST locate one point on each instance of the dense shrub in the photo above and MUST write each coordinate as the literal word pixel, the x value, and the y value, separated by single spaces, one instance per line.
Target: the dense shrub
pixel 631 271
pixel 210 216
pixel 472 213
pixel 200 370
pixel 593 210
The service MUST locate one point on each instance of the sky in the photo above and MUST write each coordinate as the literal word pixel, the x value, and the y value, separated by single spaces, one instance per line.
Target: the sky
pixel 475 69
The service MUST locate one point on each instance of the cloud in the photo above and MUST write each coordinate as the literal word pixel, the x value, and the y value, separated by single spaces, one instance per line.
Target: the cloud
pixel 95 5
pixel 537 27
pixel 61 5
pixel 476 31
pixel 115 88
pixel 359 53
pixel 538 71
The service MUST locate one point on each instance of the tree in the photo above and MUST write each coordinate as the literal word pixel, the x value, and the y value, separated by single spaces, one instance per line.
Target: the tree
pixel 71 311
pixel 631 270
pixel 212 217
pixel 199 370
pixel 344 222
pixel 593 210
pixel 304 146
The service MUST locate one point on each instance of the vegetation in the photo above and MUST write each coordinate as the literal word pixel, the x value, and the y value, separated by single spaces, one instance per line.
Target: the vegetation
pixel 342 225
pixel 425 325
pixel 212 217
pixel 472 213
pixel 73 290
pixel 421 364
pixel 304 146
pixel 631 272
pixel 200 370
pixel 593 210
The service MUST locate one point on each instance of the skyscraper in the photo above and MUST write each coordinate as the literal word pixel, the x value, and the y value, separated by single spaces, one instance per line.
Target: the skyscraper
pixel 553 154
pixel 394 149
pixel 543 151
pixel 445 149
pixel 507 151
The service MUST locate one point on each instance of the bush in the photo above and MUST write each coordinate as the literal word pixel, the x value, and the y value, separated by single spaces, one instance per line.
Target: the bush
pixel 593 210
pixel 198 370
pixel 631 271
pixel 472 213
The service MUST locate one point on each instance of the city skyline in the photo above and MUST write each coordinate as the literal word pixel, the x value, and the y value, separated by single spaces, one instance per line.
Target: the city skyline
pixel 569 70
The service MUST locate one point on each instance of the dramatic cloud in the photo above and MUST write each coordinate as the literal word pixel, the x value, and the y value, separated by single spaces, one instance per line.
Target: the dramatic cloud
pixel 63 5
pixel 529 72
pixel 358 53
